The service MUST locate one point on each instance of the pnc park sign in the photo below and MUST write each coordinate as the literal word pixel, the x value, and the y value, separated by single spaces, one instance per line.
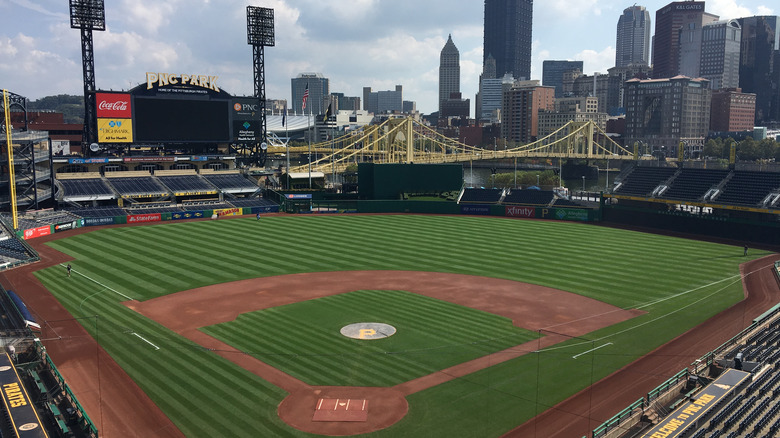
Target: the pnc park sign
pixel 154 80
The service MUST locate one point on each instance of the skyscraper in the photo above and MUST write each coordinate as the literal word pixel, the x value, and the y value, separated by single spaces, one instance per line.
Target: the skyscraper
pixel 633 37
pixel 720 46
pixel 318 87
pixel 759 66
pixel 449 72
pixel 508 25
pixel 552 73
pixel 669 22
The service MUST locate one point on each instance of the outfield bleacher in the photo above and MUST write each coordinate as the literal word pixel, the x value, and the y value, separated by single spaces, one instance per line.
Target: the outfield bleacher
pixel 91 188
pixel 137 186
pixel 231 183
pixel 642 181
pixel 533 197
pixel 481 196
pixel 749 188
pixel 187 184
pixel 692 184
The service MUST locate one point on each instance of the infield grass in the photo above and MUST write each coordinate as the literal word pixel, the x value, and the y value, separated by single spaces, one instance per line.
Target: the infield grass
pixel 679 283
pixel 304 340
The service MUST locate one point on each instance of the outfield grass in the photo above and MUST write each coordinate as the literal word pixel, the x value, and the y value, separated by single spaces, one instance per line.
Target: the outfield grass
pixel 680 283
pixel 304 340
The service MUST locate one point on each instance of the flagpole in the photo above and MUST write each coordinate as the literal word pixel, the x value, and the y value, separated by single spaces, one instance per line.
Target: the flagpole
pixel 308 124
pixel 287 145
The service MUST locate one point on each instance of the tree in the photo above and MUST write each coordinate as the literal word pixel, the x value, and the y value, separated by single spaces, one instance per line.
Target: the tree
pixel 747 150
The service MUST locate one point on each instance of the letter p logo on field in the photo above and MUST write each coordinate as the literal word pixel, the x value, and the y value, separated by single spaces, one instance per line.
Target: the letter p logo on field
pixel 365 333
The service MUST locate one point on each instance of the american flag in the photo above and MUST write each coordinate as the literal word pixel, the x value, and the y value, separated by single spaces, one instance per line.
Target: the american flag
pixel 305 96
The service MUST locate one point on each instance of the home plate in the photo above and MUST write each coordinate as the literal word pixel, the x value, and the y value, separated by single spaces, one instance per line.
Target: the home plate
pixel 341 409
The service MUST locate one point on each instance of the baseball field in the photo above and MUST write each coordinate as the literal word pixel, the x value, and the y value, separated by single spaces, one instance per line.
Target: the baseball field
pixel 203 315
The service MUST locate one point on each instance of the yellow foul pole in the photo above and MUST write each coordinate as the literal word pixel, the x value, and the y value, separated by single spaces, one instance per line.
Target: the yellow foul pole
pixel 10 147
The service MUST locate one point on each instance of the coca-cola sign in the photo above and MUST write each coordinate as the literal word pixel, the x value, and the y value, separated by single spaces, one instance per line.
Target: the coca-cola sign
pixel 113 105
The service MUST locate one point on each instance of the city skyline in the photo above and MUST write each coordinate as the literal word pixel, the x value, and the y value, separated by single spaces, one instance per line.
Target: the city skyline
pixel 355 44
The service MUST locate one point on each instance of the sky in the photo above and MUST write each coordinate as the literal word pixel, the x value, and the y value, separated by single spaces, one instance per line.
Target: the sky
pixel 354 43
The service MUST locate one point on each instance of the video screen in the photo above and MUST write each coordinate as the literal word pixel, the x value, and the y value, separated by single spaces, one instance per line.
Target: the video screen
pixel 181 120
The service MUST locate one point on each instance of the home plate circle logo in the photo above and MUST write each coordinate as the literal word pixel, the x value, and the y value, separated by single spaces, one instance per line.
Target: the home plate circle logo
pixel 368 330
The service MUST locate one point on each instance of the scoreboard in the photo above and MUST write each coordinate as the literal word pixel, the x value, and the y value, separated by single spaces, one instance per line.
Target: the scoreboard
pixel 172 108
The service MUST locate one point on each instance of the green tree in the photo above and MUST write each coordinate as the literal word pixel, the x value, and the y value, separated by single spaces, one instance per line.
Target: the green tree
pixel 747 150
pixel 714 148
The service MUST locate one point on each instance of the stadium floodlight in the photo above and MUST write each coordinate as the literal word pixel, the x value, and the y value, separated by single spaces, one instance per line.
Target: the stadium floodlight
pixel 259 35
pixel 87 14
pixel 260 26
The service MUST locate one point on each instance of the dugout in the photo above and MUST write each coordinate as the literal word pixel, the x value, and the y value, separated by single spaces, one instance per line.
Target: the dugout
pixel 391 181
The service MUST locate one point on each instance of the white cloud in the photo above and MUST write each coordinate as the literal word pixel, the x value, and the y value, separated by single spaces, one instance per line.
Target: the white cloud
pixel 594 61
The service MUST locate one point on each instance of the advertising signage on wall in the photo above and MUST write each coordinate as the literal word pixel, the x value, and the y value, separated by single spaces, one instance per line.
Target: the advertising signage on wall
pixel 115 130
pixel 246 131
pixel 245 108
pixel 113 105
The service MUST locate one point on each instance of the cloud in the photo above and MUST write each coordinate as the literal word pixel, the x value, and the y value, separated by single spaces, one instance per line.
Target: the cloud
pixel 728 9
pixel 594 61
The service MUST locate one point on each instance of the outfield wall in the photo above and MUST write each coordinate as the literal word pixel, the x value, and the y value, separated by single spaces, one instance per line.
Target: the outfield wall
pixel 744 230
pixel 142 218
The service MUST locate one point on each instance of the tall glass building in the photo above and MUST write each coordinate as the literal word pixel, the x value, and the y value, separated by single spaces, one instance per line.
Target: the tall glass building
pixel 508 25
pixel 633 37
pixel 449 72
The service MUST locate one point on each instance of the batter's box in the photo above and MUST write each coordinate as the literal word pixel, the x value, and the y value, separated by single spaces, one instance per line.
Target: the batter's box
pixel 341 409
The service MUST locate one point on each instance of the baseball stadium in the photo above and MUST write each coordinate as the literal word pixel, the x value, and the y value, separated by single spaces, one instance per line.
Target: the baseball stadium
pixel 182 277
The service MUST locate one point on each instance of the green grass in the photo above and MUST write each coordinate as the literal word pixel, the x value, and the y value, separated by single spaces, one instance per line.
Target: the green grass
pixel 303 339
pixel 680 283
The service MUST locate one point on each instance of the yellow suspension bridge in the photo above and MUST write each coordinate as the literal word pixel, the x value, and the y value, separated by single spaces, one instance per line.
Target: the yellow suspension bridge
pixel 407 141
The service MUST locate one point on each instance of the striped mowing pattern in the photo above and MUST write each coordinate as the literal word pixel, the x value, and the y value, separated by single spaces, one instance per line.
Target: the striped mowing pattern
pixel 207 396
pixel 303 339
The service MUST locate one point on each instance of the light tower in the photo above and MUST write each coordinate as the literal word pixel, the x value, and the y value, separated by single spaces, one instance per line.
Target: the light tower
pixel 88 15
pixel 259 34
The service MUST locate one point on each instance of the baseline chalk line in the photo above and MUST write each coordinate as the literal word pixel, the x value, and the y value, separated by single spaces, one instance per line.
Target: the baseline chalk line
pixel 591 350
pixel 145 340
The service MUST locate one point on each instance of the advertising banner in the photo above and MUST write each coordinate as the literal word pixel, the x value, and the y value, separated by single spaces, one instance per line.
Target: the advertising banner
pixel 247 131
pixel 228 212
pixel 475 209
pixel 65 226
pixel 138 218
pixel 187 215
pixel 564 214
pixel 113 105
pixel 298 196
pixel 245 108
pixel 515 211
pixel 97 221
pixel 266 209
pixel 37 232
pixel 87 160
pixel 115 130
pixel 146 159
